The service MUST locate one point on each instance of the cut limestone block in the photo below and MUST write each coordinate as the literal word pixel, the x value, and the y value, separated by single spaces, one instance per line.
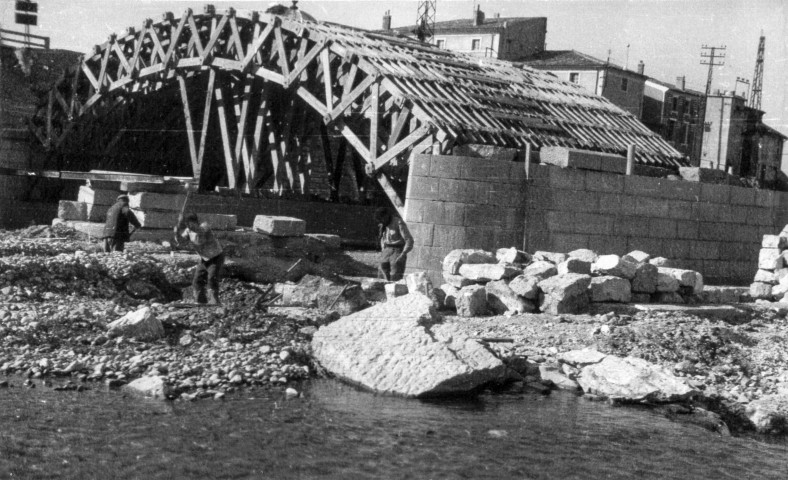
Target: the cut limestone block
pixel 540 270
pixel 610 289
pixel 512 255
pixel 779 290
pixel 638 256
pixel 773 241
pixel 525 286
pixel 394 290
pixel 662 262
pixel 615 266
pixel 97 213
pixel 584 254
pixel 164 219
pixel 585 159
pixel 141 324
pixel 552 257
pixel 457 281
pixel 502 299
pixel 667 283
pixel 68 210
pixel 471 301
pixel 645 280
pixel 456 258
pixel 156 201
pixel 564 294
pixel 574 265
pixel 486 272
pixel 770 259
pixel 686 278
pixel 765 276
pixel 94 196
pixel 761 291
pixel 280 226
pixel 450 295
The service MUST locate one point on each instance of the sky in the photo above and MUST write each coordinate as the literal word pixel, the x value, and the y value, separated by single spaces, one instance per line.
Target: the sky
pixel 666 34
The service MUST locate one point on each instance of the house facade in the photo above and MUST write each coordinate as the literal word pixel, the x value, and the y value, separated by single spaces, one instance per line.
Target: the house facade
pixel 673 111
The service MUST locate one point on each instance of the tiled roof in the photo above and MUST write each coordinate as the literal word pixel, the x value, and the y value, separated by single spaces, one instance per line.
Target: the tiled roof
pixel 562 58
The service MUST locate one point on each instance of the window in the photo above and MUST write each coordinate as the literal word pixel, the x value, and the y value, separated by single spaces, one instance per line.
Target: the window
pixel 674 103
pixel 476 44
pixel 624 84
pixel 574 77
pixel 440 43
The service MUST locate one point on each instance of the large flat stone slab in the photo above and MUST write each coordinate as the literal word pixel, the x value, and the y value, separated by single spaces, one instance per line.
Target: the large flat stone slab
pixel 278 226
pixel 97 196
pixel 391 348
pixel 168 219
pixel 158 201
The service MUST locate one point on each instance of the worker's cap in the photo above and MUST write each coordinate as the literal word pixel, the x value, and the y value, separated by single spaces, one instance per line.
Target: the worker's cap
pixel 123 196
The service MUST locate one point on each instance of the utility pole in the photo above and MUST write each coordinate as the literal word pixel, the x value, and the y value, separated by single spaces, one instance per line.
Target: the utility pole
pixel 711 54
pixel 757 77
pixel 425 20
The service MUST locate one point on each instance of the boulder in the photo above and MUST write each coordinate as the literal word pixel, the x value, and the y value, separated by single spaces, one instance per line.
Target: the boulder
pixel 662 262
pixel 552 257
pixel 456 258
pixel 471 301
pixel 279 226
pixel 765 276
pixel 769 414
pixel 512 255
pixel 633 379
pixel 770 259
pixel 610 289
pixel 502 299
pixel 525 286
pixel 154 386
pixel 457 281
pixel 450 295
pixel 666 282
pixel 638 256
pixel 581 358
pixel 564 294
pixel 551 373
pixel 615 266
pixel 391 348
pixel 574 265
pixel 645 280
pixel 394 290
pixel 141 324
pixel 584 254
pixel 540 270
pixel 686 278
pixel 487 272
pixel 774 241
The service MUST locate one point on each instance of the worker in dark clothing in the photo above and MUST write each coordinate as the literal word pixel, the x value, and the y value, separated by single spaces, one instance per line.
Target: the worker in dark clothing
pixel 395 243
pixel 116 228
pixel 211 257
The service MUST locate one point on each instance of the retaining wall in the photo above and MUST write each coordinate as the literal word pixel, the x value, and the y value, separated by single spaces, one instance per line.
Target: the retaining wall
pixel 463 202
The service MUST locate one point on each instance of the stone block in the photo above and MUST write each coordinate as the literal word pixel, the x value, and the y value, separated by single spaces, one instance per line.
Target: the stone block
pixel 277 226
pixel 766 276
pixel 584 254
pixel 574 265
pixel 471 301
pixel 141 324
pixel 773 241
pixel 525 286
pixel 394 290
pixel 686 278
pixel 156 201
pixel 668 297
pixel 770 259
pixel 97 213
pixel 501 299
pixel 152 386
pixel 541 270
pixel 582 159
pixel 457 281
pixel 94 196
pixel 761 291
pixel 512 255
pixel 615 266
pixel 667 283
pixel 552 257
pixel 610 289
pixel 638 256
pixel 449 295
pixel 486 272
pixel 645 280
pixel 456 258
pixel 69 210
pixel 662 262
pixel 564 294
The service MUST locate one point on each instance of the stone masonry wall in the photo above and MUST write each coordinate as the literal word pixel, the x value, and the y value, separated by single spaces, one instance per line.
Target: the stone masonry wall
pixel 715 229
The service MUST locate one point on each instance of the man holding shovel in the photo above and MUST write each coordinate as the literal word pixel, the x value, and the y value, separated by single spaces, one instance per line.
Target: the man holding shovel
pixel 116 228
pixel 211 255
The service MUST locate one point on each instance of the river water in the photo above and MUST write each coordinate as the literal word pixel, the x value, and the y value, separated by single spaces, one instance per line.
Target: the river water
pixel 336 431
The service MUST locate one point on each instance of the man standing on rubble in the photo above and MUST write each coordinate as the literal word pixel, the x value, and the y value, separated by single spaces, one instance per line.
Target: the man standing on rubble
pixel 116 228
pixel 211 255
pixel 395 243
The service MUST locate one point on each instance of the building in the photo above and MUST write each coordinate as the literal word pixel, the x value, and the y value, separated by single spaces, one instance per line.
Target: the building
pixel 502 38
pixel 673 111
pixel 736 139
pixel 623 87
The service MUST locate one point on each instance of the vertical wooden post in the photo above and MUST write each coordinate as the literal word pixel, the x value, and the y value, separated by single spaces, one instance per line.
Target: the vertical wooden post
pixel 631 150
pixel 527 165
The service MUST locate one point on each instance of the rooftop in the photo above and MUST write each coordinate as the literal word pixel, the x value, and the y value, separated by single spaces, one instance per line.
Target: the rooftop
pixel 559 59
pixel 465 25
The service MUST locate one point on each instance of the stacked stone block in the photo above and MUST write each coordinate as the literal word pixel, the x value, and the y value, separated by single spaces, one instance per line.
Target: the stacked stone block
pixel 771 279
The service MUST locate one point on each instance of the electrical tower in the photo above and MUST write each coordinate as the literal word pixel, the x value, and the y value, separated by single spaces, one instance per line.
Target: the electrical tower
pixel 757 77
pixel 712 54
pixel 425 21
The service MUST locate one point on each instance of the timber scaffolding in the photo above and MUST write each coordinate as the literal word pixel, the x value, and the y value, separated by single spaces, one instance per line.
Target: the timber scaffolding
pixel 253 96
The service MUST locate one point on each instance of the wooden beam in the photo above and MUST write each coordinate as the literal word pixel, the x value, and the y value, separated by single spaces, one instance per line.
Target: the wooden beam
pixel 280 49
pixel 258 42
pixel 241 112
pixel 187 116
pixel 388 188
pixel 349 99
pixel 230 162
pixel 305 61
pixel 374 120
pixel 325 60
pixel 400 147
pixel 205 120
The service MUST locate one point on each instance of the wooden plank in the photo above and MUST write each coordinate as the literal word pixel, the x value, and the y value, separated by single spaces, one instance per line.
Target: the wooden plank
pixel 196 36
pixel 394 198
pixel 325 60
pixel 400 147
pixel 174 38
pixel 280 49
pixel 270 75
pixel 399 126
pixel 349 99
pixel 50 104
pixel 187 115
pixel 313 101
pixel 242 114
pixel 205 120
pixel 258 42
pixel 208 50
pixel 235 38
pixel 351 137
pixel 231 163
pixel 305 61
pixel 374 120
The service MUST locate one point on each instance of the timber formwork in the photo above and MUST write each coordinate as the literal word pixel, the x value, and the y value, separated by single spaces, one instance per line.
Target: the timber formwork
pixel 253 96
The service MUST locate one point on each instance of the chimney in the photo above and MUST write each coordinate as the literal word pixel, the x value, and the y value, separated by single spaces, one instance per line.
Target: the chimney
pixel 681 82
pixel 478 16
pixel 387 20
pixel 641 67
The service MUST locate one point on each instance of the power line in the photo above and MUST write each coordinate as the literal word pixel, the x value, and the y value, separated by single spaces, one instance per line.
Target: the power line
pixel 711 54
